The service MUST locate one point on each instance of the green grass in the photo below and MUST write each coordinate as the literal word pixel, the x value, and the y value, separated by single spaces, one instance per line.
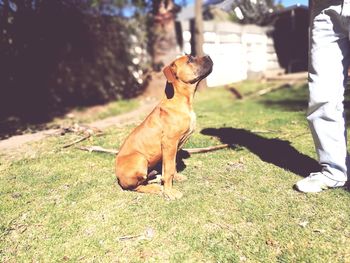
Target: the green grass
pixel 238 206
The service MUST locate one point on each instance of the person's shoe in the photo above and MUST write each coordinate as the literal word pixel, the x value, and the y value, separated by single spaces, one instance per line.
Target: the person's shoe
pixel 317 182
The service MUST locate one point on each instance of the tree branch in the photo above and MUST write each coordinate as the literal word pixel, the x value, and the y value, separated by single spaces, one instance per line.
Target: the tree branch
pixel 189 150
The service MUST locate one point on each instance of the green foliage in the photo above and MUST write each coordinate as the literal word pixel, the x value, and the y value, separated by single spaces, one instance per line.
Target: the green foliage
pixel 254 12
pixel 60 54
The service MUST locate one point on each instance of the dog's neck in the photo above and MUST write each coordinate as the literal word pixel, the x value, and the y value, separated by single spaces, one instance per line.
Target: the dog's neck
pixel 180 93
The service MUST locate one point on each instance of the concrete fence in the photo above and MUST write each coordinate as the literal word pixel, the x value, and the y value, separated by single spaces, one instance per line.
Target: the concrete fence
pixel 239 51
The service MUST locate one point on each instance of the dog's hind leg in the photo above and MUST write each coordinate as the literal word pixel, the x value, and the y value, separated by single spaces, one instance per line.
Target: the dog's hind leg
pixel 132 175
pixel 131 171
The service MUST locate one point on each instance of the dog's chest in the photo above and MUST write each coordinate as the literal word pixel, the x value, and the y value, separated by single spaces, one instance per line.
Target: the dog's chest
pixel 190 130
pixel 192 126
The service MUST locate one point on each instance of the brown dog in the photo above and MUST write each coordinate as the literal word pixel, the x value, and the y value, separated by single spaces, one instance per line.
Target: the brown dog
pixel 164 131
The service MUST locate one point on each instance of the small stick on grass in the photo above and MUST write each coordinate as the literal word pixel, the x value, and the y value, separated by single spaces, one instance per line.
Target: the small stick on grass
pixel 206 149
pixel 269 89
pixel 97 149
pixel 77 141
pixel 148 235
pixel 76 128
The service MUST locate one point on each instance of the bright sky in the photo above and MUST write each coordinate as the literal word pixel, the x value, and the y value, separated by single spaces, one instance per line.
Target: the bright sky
pixel 294 2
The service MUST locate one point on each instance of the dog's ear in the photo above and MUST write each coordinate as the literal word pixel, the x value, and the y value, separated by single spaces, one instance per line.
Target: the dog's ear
pixel 169 74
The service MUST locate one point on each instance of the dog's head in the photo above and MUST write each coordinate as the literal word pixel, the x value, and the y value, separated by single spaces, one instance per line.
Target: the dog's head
pixel 188 69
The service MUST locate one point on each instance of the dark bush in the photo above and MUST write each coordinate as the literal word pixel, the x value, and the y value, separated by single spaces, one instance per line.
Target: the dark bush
pixel 55 55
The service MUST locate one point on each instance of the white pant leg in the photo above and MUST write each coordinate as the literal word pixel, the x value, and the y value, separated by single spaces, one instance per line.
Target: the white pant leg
pixel 329 60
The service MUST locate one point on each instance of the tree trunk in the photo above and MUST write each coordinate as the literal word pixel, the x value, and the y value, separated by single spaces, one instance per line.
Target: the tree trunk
pixel 164 41
pixel 199 36
pixel 163 44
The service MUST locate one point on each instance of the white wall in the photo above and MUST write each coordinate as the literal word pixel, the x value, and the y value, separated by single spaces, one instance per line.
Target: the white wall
pixel 236 50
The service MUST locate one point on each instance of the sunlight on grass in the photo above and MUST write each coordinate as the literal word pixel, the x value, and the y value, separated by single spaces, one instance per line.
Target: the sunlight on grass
pixel 238 206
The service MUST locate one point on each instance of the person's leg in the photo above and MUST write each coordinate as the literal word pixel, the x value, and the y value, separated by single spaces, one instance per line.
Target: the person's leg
pixel 329 60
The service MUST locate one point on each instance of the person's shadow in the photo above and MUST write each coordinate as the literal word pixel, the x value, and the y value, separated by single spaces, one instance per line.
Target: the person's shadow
pixel 274 151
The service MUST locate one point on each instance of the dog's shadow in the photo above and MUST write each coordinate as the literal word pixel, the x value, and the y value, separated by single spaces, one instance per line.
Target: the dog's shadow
pixel 274 151
pixel 180 164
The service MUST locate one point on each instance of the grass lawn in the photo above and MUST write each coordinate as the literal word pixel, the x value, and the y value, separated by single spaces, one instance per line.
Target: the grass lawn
pixel 239 204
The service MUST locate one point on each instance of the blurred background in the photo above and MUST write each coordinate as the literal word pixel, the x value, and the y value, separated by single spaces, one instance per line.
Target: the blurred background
pixel 56 55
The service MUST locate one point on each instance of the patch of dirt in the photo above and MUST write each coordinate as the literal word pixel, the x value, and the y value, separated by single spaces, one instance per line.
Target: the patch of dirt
pixel 14 142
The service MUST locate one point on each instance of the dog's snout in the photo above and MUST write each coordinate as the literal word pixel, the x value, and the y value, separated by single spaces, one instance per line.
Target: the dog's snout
pixel 208 59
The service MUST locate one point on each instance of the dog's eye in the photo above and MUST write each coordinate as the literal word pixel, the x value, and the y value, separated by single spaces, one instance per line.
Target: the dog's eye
pixel 190 59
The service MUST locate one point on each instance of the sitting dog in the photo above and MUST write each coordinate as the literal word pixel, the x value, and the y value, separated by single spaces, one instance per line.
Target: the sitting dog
pixel 164 131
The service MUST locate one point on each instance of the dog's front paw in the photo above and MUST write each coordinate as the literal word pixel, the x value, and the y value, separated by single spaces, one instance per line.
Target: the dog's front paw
pixel 172 194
